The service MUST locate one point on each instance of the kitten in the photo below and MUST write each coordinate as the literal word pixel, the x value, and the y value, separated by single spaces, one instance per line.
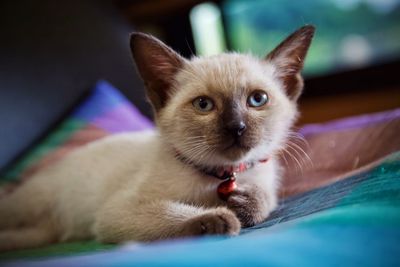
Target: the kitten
pixel 214 115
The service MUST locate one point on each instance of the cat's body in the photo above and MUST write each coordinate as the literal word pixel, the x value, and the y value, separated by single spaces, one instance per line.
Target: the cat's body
pixel 151 185
pixel 84 197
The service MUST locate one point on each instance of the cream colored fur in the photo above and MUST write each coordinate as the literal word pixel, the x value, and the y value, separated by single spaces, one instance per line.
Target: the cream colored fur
pixel 132 187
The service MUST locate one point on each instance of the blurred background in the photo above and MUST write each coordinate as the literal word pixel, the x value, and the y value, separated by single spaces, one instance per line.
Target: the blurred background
pixel 351 66
pixel 52 52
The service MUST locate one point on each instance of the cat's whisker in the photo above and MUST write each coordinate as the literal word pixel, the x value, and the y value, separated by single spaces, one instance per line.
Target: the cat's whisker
pixel 204 155
pixel 194 152
pixel 307 157
pixel 298 141
pixel 299 137
pixel 194 144
pixel 299 166
pixel 196 137
pixel 297 155
pixel 199 152
pixel 284 158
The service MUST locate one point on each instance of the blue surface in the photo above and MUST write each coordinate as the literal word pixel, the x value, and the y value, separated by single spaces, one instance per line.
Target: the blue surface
pixel 316 246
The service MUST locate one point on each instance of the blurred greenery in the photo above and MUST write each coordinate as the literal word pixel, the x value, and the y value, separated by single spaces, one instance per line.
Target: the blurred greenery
pixel 257 26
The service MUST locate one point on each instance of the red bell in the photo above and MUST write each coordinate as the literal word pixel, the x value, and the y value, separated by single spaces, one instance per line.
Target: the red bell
pixel 226 188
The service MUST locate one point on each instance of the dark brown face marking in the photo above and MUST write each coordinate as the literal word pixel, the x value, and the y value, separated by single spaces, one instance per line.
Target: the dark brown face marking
pixel 233 120
pixel 237 131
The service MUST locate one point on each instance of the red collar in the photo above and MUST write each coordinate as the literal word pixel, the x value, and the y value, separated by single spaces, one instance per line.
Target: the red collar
pixel 222 172
pixel 226 173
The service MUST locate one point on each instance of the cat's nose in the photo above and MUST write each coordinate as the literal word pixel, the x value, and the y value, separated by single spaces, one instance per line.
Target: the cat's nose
pixel 238 129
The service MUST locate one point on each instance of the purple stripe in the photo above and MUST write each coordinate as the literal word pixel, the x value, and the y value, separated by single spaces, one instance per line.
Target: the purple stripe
pixel 123 118
pixel 351 123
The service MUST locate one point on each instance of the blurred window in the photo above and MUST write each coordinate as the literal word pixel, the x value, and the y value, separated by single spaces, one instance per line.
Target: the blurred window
pixel 350 33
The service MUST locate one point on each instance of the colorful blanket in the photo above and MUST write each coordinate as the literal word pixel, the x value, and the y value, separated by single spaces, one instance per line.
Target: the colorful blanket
pixel 322 220
pixel 105 111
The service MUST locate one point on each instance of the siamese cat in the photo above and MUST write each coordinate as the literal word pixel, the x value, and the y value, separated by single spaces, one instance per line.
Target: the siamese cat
pixel 223 117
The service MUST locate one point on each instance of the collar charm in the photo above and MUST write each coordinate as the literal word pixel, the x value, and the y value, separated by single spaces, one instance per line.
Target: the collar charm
pixel 226 188
pixel 225 173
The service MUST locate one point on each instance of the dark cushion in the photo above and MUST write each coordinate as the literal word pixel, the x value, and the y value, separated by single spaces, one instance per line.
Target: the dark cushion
pixel 51 52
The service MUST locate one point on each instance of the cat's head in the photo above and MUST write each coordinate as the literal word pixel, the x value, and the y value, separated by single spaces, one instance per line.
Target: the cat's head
pixel 223 109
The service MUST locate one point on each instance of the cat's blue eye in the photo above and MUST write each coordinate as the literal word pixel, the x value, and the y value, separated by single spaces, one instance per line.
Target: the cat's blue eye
pixel 203 104
pixel 257 98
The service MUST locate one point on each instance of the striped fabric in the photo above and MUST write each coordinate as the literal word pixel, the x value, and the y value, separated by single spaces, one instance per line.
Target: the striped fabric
pixel 105 111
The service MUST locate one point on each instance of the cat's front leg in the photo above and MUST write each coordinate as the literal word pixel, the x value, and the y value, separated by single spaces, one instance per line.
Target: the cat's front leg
pixel 251 204
pixel 122 219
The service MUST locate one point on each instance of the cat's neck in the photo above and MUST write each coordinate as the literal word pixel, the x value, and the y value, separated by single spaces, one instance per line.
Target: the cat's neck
pixel 221 172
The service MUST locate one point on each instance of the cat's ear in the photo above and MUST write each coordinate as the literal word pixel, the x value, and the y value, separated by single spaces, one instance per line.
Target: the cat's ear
pixel 288 58
pixel 157 65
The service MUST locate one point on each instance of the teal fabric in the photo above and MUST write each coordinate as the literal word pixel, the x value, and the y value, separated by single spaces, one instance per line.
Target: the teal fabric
pixel 354 222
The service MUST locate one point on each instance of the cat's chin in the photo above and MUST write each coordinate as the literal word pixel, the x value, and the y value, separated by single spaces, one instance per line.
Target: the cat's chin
pixel 222 159
pixel 235 153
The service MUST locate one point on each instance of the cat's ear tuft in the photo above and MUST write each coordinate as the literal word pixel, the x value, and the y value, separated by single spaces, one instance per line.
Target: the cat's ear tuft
pixel 157 65
pixel 288 58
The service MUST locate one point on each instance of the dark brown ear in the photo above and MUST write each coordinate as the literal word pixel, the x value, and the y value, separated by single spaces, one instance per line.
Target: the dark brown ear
pixel 157 64
pixel 288 58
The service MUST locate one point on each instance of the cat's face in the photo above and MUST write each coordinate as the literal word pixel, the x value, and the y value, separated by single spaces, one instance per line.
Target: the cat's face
pixel 223 109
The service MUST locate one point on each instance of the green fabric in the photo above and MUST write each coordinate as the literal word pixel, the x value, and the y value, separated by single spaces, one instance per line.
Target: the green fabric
pixel 61 249
pixel 57 137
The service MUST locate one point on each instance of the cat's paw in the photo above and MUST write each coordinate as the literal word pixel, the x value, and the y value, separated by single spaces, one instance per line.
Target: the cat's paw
pixel 251 205
pixel 219 221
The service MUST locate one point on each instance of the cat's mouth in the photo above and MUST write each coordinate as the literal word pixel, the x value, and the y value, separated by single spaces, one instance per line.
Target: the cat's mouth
pixel 236 149
pixel 237 145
